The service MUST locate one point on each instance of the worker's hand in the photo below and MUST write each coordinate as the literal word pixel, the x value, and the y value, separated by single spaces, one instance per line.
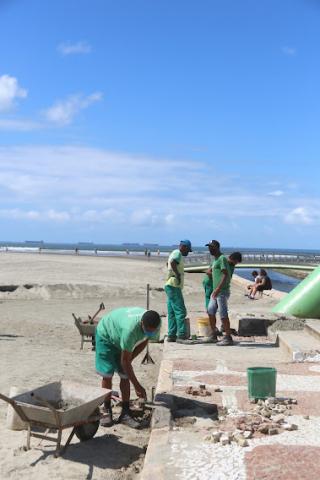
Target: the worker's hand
pixel 215 293
pixel 178 276
pixel 140 391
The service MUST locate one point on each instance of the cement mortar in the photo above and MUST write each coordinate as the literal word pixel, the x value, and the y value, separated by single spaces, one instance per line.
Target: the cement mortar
pixel 287 324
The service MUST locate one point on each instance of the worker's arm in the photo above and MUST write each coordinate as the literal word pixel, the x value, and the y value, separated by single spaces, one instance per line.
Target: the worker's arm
pixel 209 272
pixel 139 348
pixel 126 363
pixel 223 280
pixel 174 266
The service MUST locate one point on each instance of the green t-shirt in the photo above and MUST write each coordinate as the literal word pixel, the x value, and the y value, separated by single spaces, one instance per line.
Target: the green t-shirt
pixel 172 280
pixel 218 266
pixel 122 328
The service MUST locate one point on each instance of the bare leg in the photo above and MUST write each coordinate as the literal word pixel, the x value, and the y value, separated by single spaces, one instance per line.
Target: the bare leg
pixel 125 390
pixel 226 323
pixel 213 321
pixel 253 291
pixel 107 383
pixel 107 420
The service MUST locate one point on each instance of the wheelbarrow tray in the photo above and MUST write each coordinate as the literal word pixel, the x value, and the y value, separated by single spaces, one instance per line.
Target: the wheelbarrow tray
pixel 78 401
pixel 87 329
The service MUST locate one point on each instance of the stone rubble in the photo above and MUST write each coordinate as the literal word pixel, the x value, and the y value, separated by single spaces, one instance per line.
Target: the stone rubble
pixel 201 392
pixel 269 417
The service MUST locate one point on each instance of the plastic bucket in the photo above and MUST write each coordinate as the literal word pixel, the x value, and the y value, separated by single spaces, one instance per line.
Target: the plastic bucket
pixel 204 328
pixel 261 382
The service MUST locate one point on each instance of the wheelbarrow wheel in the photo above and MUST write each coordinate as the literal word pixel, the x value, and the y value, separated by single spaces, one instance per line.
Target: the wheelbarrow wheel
pixel 88 431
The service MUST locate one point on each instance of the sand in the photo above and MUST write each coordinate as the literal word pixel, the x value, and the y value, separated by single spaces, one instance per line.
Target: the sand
pixel 40 344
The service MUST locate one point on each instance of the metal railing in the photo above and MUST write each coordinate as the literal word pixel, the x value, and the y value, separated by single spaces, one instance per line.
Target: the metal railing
pixel 260 259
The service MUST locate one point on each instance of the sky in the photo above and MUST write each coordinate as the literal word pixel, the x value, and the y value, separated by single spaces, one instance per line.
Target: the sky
pixel 159 120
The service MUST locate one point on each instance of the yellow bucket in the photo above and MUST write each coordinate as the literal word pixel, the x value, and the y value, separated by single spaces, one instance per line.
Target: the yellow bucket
pixel 204 328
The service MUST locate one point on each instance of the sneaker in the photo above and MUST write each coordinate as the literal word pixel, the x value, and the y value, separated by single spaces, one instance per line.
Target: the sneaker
pixel 171 339
pixel 107 420
pixel 225 342
pixel 127 419
pixel 212 339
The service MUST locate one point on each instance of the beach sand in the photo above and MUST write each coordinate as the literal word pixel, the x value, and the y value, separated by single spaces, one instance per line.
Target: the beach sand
pixel 40 344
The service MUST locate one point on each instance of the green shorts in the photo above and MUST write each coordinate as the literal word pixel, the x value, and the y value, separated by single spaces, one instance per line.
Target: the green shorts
pixel 108 359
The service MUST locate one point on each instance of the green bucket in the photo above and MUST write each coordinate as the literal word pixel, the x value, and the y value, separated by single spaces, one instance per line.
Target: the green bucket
pixel 261 382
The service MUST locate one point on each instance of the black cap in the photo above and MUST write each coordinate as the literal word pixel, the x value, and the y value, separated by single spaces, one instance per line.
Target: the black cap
pixel 213 243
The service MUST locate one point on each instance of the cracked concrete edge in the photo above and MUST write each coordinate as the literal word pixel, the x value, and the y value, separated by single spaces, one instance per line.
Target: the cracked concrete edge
pixel 160 424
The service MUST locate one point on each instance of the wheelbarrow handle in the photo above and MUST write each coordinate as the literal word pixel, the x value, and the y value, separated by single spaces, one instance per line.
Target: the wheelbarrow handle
pixel 101 307
pixel 15 406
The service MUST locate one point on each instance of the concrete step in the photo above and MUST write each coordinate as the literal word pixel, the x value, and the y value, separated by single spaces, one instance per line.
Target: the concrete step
pixel 302 346
pixel 313 328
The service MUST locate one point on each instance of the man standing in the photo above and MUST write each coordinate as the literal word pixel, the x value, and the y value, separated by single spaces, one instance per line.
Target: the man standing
pixel 120 336
pixel 222 271
pixel 176 308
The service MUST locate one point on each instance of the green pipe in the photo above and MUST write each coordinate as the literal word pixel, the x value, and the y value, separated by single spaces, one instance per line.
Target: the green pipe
pixel 304 300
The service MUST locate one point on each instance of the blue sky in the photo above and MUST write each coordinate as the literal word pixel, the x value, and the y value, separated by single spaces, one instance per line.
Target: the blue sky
pixel 151 121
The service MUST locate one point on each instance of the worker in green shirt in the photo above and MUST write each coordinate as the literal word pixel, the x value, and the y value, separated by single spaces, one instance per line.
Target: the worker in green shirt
pixel 174 284
pixel 208 288
pixel 120 336
pixel 222 271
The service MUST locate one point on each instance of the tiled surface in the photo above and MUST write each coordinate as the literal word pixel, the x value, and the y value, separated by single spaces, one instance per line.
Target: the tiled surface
pixel 282 462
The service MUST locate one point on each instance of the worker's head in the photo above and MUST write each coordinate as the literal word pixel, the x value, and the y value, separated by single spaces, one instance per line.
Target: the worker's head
pixel 150 322
pixel 213 246
pixel 185 247
pixel 235 258
pixel 263 272
pixel 254 273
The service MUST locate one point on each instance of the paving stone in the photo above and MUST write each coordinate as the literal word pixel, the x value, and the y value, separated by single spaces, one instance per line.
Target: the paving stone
pixel 281 462
pixel 289 426
pixel 278 418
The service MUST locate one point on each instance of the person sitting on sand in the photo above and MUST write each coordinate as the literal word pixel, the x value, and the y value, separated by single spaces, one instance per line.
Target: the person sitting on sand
pixel 263 284
pixel 256 278
pixel 121 335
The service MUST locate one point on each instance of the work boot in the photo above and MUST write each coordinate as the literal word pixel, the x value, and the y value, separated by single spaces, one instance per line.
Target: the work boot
pixel 107 420
pixel 213 338
pixel 171 339
pixel 183 339
pixel 226 341
pixel 127 419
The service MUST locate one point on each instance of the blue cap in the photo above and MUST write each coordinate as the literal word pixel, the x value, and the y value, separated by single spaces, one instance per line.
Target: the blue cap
pixel 187 243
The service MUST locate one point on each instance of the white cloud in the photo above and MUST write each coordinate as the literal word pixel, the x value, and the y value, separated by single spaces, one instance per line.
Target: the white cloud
pixel 63 112
pixel 10 90
pixel 289 51
pixel 276 193
pixel 300 216
pixel 74 48
pixel 96 188
pixel 19 125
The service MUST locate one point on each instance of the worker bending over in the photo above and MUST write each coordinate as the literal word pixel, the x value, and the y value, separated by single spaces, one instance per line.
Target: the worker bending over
pixel 120 336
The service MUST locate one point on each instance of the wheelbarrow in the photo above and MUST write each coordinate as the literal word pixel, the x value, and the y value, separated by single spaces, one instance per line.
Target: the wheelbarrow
pixel 58 406
pixel 87 326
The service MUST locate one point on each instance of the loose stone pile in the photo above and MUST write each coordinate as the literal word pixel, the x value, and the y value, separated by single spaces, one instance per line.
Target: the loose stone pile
pixel 201 391
pixel 269 418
